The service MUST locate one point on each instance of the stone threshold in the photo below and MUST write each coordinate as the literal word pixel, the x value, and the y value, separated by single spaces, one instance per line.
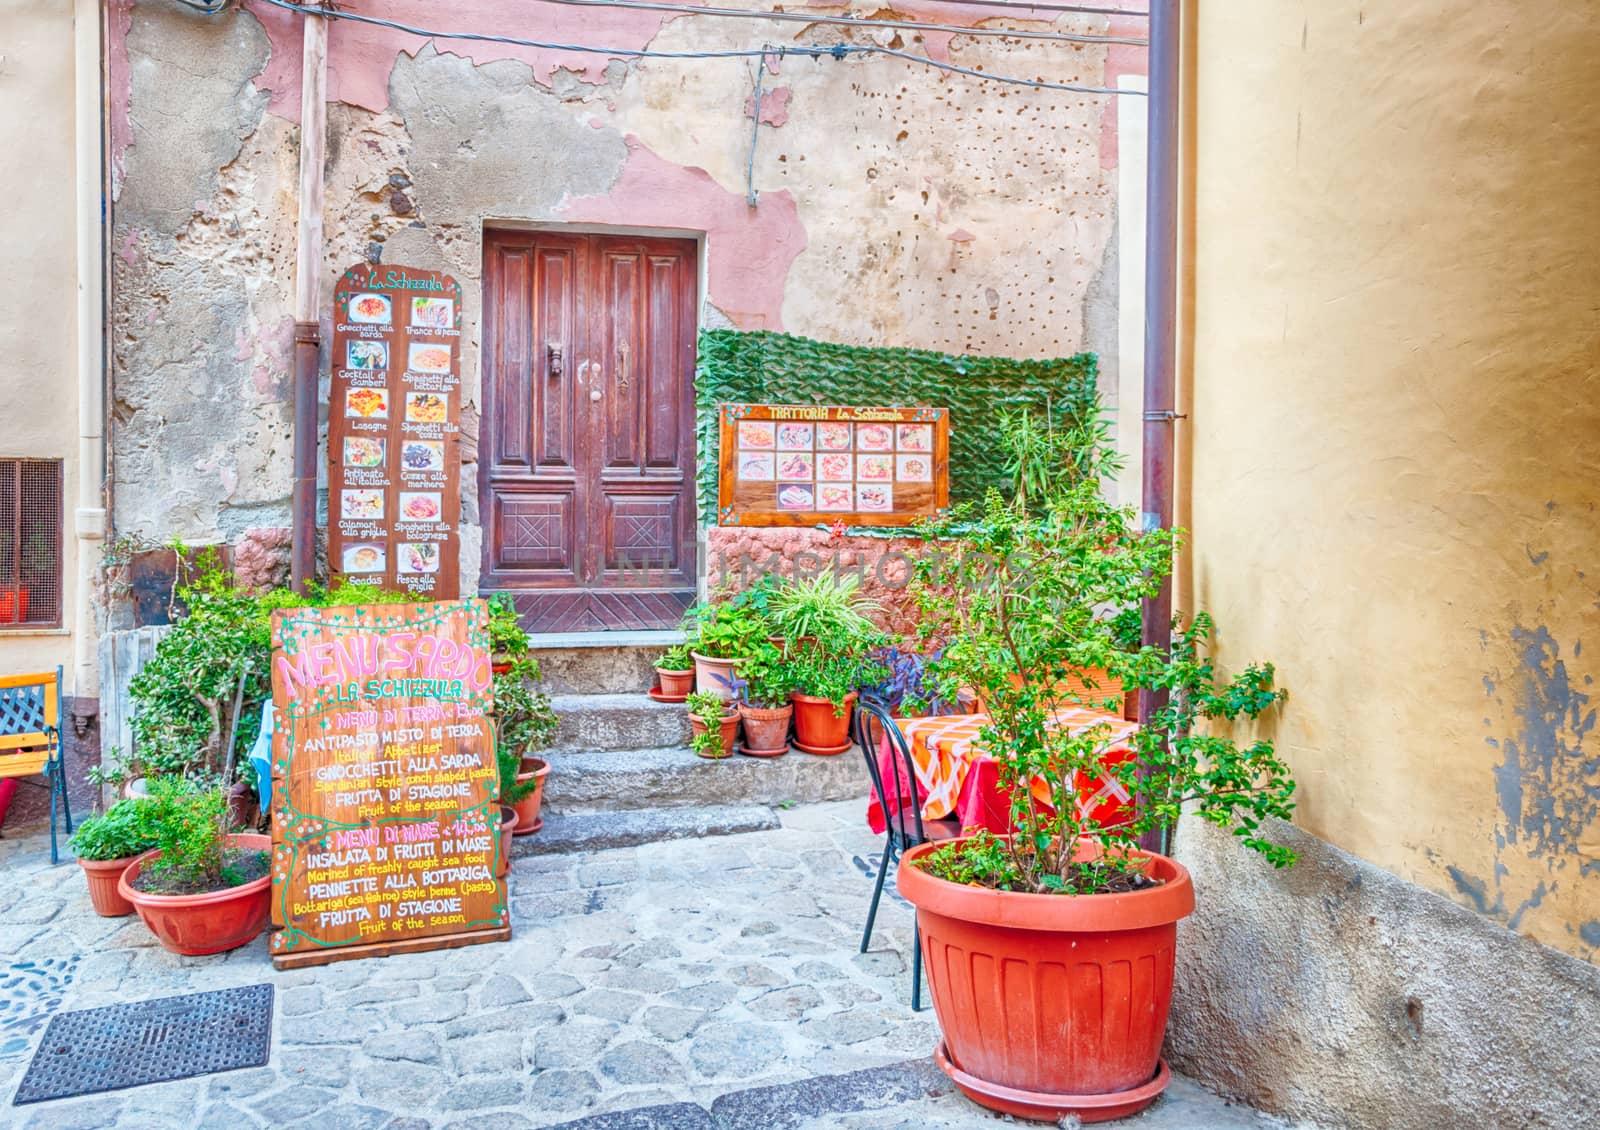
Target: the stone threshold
pixel 550 641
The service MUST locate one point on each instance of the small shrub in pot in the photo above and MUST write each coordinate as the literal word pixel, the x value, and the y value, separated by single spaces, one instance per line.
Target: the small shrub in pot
pixel 106 844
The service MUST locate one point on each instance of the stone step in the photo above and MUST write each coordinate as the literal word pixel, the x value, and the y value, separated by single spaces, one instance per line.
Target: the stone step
pixel 598 722
pixel 597 831
pixel 617 780
pixel 597 665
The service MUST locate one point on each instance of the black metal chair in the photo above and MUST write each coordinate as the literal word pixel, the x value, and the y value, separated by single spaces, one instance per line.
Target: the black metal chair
pixel 904 827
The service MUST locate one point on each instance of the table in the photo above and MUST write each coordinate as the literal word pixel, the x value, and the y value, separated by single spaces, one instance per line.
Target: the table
pixel 955 776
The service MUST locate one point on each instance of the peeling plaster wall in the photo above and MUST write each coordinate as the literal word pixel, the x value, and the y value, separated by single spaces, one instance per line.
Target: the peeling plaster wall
pixel 897 207
pixel 1396 429
pixel 38 326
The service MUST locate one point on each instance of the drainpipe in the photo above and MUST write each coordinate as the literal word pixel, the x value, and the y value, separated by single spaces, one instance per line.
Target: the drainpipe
pixel 1160 336
pixel 89 511
pixel 308 296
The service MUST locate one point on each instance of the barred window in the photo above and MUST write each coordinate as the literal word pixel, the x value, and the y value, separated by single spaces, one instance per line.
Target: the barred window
pixel 30 543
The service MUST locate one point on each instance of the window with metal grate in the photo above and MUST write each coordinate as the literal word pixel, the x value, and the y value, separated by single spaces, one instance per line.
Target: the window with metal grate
pixel 30 543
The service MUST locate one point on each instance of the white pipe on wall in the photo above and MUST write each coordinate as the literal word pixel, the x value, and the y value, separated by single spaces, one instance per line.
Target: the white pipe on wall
pixel 89 515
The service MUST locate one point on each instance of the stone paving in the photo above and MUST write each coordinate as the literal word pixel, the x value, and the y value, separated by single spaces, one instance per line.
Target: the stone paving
pixel 692 983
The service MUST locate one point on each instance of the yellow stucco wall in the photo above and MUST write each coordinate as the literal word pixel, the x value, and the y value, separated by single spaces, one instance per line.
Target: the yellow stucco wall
pixel 38 328
pixel 1396 425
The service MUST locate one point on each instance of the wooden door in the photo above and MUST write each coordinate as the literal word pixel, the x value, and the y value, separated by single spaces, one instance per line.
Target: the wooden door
pixel 587 454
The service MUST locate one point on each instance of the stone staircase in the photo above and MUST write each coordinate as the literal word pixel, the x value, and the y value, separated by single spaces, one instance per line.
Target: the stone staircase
pixel 622 772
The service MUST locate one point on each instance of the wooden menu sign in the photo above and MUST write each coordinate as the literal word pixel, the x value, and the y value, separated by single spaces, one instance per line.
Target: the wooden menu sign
pixel 385 821
pixel 800 465
pixel 394 430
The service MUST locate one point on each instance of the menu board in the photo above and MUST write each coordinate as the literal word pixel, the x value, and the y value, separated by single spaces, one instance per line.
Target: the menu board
pixel 800 465
pixel 394 430
pixel 385 821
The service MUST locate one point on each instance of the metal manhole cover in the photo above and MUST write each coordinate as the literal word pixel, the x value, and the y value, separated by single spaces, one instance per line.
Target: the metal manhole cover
pixel 127 1045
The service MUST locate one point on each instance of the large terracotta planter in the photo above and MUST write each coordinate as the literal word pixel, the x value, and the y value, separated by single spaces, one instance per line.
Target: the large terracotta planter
pixel 1051 1005
pixel 207 923
pixel 817 729
pixel 534 769
pixel 676 684
pixel 707 668
pixel 766 732
pixel 730 731
pixel 103 875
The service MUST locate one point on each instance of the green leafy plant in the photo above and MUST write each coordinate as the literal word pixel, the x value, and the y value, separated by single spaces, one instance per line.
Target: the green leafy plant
pixel 764 680
pixel 730 629
pixel 708 710
pixel 1047 452
pixel 1022 598
pixel 678 657
pixel 833 675
pixel 188 821
pixel 524 724
pixel 828 609
pixel 123 830
pixel 507 637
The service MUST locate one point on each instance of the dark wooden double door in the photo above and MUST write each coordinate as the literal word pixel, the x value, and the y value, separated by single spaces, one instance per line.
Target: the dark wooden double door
pixel 587 476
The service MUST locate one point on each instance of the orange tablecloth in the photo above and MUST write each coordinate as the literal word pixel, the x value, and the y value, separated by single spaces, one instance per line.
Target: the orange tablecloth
pixel 954 775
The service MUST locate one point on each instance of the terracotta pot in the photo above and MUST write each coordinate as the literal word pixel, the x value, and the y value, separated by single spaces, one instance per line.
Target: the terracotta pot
pixel 766 731
pixel 730 732
pixel 499 666
pixel 1099 967
pixel 13 604
pixel 528 819
pixel 205 923
pixel 1076 685
pixel 817 729
pixel 508 828
pixel 676 684
pixel 103 875
pixel 706 670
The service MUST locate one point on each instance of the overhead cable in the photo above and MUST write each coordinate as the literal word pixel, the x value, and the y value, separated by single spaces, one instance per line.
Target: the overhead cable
pixel 849 21
pixel 838 51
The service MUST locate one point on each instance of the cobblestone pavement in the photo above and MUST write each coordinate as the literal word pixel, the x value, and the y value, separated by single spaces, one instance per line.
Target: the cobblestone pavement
pixel 706 980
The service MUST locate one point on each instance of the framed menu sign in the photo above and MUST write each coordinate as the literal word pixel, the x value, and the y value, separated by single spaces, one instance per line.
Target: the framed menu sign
pixel 394 430
pixel 385 821
pixel 800 465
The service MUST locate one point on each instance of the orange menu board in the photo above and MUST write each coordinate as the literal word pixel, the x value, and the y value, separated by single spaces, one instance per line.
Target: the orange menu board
pixel 394 430
pixel 801 465
pixel 385 821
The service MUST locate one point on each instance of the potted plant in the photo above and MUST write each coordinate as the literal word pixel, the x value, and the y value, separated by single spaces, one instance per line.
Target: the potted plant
pixel 826 610
pixel 508 640
pixel 524 723
pixel 675 673
pixel 105 845
pixel 714 725
pixel 826 687
pixel 905 691
pixel 762 690
pixel 1070 911
pixel 728 632
pixel 201 890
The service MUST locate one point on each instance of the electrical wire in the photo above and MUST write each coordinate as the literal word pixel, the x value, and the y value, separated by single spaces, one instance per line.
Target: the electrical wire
pixel 848 21
pixel 839 51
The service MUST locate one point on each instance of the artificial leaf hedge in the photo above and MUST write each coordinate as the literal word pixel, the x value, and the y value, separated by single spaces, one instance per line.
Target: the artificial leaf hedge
pixel 773 368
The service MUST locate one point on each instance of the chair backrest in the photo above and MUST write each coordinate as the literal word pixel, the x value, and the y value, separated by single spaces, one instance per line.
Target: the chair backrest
pixel 30 709
pixel 873 722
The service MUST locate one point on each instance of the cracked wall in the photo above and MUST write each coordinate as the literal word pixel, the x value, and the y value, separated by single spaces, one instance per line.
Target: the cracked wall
pixel 897 206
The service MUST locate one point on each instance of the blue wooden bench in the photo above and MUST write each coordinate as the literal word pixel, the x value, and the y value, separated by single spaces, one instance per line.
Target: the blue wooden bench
pixel 30 738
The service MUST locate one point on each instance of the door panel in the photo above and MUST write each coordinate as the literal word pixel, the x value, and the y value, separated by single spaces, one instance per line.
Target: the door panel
pixel 588 491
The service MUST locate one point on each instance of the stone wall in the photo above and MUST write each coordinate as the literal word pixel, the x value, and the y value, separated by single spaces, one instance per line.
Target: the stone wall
pixel 897 205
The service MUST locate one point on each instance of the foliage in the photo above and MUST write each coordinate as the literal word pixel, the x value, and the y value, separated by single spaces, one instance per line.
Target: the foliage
pixel 524 723
pixel 1046 456
pixel 678 657
pixel 828 608
pixel 189 823
pixel 730 629
pixel 507 637
pixel 833 675
pixel 734 366
pixel 183 697
pixel 1024 597
pixel 904 689
pixel 708 710
pixel 763 680
pixel 125 829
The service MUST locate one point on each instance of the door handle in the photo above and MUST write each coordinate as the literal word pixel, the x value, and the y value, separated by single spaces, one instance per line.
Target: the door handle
pixel 553 358
pixel 622 367
pixel 594 394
